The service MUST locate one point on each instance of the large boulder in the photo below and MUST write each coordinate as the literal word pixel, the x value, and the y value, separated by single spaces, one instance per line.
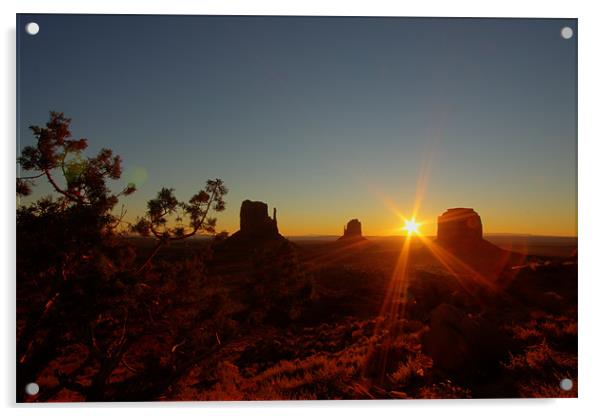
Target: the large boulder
pixel 461 344
pixel 449 339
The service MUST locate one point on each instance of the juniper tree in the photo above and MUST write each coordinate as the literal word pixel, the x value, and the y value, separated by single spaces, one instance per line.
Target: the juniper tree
pixel 166 207
pixel 76 280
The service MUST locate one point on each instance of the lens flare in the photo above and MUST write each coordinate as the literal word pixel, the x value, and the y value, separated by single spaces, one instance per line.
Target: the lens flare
pixel 411 226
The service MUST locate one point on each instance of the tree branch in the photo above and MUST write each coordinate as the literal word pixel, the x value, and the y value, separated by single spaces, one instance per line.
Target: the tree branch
pixel 202 220
pixel 150 257
pixel 26 178
pixel 69 195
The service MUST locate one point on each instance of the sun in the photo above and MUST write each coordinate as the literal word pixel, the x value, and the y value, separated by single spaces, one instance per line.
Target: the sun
pixel 411 226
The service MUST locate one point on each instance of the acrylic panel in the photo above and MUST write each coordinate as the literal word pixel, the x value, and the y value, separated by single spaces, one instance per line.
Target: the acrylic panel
pixel 216 208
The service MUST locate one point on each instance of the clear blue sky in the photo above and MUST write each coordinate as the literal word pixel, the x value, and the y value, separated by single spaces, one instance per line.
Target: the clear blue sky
pixel 323 118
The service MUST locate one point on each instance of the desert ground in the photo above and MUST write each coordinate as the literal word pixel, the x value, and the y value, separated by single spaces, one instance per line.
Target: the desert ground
pixel 306 318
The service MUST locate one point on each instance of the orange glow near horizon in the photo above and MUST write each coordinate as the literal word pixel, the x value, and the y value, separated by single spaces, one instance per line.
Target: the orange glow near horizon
pixel 379 206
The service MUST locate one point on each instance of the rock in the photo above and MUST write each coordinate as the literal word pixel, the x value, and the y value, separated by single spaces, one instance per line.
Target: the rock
pixel 448 340
pixel 353 230
pixel 459 226
pixel 255 222
pixel 257 231
pixel 256 227
pixel 461 344
pixel 551 301
pixel 460 233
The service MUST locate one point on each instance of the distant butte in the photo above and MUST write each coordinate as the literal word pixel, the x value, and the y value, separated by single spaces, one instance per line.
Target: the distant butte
pixel 255 224
pixel 353 231
pixel 460 231
pixel 459 226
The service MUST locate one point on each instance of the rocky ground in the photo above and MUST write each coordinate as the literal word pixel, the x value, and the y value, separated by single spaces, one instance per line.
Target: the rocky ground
pixel 518 341
pixel 308 321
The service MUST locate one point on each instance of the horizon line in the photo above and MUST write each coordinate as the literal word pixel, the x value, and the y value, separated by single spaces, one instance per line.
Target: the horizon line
pixel 384 236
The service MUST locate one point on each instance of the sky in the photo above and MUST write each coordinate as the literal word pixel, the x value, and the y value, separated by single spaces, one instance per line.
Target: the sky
pixel 325 118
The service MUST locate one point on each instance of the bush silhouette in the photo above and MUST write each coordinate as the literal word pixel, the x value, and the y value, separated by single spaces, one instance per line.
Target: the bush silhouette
pixel 159 209
pixel 79 289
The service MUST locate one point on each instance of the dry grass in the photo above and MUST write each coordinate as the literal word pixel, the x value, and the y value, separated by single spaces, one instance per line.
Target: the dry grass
pixel 315 334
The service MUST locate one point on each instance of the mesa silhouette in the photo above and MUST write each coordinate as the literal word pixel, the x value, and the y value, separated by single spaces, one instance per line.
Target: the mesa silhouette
pixel 352 232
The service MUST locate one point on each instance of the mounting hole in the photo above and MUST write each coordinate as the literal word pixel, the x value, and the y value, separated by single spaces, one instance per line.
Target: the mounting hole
pixel 566 32
pixel 32 28
pixel 32 389
pixel 566 384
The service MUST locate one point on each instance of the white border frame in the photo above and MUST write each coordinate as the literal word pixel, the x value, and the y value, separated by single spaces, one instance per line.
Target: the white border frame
pixel 589 177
